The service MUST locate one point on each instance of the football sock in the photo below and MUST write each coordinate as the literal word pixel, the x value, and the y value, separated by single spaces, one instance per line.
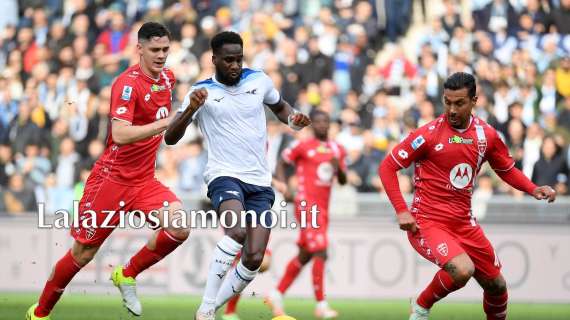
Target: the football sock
pixel 142 260
pixel 64 270
pixel 232 304
pixel 441 285
pixel 222 259
pixel 235 282
pixel 318 278
pixel 495 306
pixel 291 272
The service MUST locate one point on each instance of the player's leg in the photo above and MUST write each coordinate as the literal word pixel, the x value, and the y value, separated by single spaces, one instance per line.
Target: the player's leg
pixel 323 310
pixel 227 196
pixel 438 246
pixel 62 273
pixel 248 267
pixel 165 240
pixel 495 297
pixel 275 298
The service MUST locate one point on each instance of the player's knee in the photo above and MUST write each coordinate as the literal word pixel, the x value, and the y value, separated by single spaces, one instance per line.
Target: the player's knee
pixel 253 261
pixel 497 286
pixel 464 273
pixel 237 235
pixel 179 233
pixel 83 254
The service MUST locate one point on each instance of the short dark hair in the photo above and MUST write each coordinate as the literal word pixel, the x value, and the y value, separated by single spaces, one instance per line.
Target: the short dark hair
pixel 225 37
pixel 317 112
pixel 460 80
pixel 152 29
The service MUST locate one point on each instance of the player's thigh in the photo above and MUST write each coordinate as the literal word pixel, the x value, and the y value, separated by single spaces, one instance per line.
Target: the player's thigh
pixel 158 200
pixel 227 198
pixel 100 210
pixel 481 252
pixel 436 244
pixel 258 204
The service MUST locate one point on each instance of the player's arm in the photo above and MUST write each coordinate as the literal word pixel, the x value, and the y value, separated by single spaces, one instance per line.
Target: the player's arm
pixel 124 132
pixel 280 180
pixel 340 168
pixel 401 156
pixel 183 118
pixel 289 116
pixel 504 165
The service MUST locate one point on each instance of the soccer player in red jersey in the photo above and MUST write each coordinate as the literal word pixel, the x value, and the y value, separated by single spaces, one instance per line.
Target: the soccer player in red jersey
pixel 317 160
pixel 123 177
pixel 448 154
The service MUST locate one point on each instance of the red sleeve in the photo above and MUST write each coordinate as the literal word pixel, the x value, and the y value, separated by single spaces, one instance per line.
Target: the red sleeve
pixel 499 156
pixel 387 171
pixel 340 154
pixel 293 152
pixel 410 149
pixel 517 180
pixel 123 97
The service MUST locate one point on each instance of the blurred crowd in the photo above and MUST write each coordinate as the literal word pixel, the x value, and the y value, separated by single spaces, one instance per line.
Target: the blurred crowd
pixel 58 59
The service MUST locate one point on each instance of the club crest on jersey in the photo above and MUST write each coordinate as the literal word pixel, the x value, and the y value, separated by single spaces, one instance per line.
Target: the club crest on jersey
pixel 461 175
pixel 460 140
pixel 482 146
pixel 418 141
pixel 155 88
pixel 442 249
pixel 126 95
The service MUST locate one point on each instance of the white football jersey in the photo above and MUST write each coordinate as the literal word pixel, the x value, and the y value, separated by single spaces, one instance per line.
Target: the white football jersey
pixel 232 121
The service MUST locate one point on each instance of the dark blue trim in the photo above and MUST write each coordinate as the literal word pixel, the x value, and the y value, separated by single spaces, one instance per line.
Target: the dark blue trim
pixel 207 81
pixel 246 72
pixel 229 254
pixel 242 277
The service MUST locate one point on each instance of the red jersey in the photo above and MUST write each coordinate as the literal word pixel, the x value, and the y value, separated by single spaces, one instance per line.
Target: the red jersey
pixel 315 172
pixel 447 161
pixel 137 99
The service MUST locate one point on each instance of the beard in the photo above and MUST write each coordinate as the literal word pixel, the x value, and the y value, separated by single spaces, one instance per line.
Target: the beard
pixel 227 80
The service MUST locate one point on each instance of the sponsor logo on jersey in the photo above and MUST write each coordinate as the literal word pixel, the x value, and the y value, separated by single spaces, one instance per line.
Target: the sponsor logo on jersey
pixel 126 95
pixel 461 175
pixel 438 147
pixel 325 172
pixel 460 140
pixel 418 141
pixel 122 110
pixel 403 154
pixel 442 249
pixel 322 149
pixel 156 88
pixel 162 113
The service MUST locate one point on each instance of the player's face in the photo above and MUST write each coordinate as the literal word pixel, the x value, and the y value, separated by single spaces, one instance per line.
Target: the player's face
pixel 153 54
pixel 228 63
pixel 458 106
pixel 321 124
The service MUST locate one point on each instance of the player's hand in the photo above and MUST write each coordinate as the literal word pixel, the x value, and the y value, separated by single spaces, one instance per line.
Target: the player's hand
pixel 544 192
pixel 300 120
pixel 280 186
pixel 197 99
pixel 335 163
pixel 407 222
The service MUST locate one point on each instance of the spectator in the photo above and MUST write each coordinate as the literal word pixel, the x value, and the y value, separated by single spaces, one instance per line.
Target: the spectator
pixel 32 165
pixel 18 198
pixel 550 169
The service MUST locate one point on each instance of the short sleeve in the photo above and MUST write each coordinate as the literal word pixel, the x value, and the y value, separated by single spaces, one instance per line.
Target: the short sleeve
pixel 123 99
pixel 271 95
pixel 340 154
pixel 412 148
pixel 293 152
pixel 499 156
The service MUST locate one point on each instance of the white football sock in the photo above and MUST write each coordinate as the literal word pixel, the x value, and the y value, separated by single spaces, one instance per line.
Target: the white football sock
pixel 222 259
pixel 235 282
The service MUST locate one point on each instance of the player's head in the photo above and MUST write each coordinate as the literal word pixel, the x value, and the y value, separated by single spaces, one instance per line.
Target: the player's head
pixel 320 122
pixel 153 46
pixel 227 48
pixel 459 98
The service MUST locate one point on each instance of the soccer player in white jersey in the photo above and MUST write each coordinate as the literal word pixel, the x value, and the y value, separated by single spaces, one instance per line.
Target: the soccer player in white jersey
pixel 229 109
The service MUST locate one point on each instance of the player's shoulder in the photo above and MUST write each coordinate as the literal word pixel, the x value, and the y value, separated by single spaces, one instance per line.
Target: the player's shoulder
pixel 431 128
pixel 129 76
pixel 248 74
pixel 490 131
pixel 205 83
pixel 169 75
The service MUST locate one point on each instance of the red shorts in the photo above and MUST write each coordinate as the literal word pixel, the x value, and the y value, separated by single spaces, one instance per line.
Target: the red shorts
pixel 312 239
pixel 103 194
pixel 439 243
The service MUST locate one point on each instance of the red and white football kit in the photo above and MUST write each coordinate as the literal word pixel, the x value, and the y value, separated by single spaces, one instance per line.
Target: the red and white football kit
pixel 125 173
pixel 447 162
pixel 315 174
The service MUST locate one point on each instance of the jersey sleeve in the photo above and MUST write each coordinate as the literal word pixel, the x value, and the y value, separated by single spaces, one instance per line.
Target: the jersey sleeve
pixel 499 156
pixel 412 148
pixel 123 98
pixel 293 152
pixel 271 95
pixel 340 154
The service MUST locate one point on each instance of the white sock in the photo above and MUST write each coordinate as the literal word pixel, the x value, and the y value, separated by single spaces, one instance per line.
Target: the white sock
pixel 322 305
pixel 234 283
pixel 222 259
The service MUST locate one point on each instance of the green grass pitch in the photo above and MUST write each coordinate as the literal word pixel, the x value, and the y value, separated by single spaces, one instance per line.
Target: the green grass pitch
pixel 101 307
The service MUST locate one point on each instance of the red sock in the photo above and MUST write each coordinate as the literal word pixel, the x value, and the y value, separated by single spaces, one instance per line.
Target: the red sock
pixel 64 270
pixel 232 304
pixel 495 306
pixel 291 273
pixel 318 278
pixel 441 285
pixel 165 244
